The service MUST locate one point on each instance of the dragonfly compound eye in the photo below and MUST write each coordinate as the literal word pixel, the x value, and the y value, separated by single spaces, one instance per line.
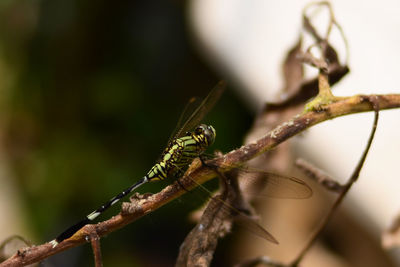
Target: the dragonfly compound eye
pixel 210 134
pixel 200 129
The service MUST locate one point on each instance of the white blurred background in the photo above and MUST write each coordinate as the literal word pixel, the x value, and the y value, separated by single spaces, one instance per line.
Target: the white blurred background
pixel 250 39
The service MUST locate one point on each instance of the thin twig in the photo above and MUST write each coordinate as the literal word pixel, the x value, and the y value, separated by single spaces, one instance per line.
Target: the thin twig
pixel 332 21
pixel 376 107
pixel 319 176
pixel 95 241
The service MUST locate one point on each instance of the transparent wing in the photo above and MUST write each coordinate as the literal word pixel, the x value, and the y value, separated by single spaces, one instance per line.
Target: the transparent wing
pixel 275 185
pixel 241 218
pixel 188 122
pixel 189 109
pixel 252 226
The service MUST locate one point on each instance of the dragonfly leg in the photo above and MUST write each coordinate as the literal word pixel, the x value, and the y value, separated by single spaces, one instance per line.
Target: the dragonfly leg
pixel 203 159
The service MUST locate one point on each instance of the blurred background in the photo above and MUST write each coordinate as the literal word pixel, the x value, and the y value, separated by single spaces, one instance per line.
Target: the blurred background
pixel 91 91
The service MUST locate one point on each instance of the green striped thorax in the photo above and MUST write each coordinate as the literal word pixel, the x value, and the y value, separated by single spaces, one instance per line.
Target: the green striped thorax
pixel 181 151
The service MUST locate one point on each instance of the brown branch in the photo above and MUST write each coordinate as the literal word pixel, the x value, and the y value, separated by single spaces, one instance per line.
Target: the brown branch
pixel 319 176
pixel 200 244
pixel 200 174
pixel 95 241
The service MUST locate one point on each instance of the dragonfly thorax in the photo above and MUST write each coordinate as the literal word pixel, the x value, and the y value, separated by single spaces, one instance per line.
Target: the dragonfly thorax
pixel 181 151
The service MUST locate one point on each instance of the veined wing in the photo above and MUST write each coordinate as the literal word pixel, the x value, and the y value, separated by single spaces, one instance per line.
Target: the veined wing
pixel 274 185
pixel 190 119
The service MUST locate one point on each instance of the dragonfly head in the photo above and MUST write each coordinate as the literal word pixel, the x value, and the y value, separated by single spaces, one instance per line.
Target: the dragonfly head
pixel 208 131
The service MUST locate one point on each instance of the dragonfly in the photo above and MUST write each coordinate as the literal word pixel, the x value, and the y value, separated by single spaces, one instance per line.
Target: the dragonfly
pixel 184 146
pixel 181 150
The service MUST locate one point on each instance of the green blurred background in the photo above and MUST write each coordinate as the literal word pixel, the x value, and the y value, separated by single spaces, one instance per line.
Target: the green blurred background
pixel 90 92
